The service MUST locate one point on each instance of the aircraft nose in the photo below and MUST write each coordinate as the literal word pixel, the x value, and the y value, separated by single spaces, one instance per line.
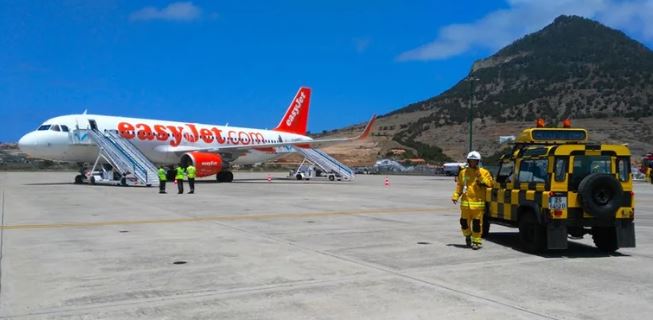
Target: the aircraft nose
pixel 27 143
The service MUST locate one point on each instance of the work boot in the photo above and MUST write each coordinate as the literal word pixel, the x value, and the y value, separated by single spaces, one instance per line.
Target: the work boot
pixel 468 241
pixel 189 192
pixel 476 246
pixel 162 192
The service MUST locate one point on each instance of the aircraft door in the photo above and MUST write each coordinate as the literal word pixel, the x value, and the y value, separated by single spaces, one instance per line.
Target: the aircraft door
pixel 93 124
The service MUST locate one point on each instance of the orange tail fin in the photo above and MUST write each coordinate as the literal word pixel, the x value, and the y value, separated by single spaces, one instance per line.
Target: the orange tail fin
pixel 296 118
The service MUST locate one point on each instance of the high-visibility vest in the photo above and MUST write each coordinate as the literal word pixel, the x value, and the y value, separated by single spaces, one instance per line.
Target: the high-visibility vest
pixel 180 173
pixel 162 174
pixel 471 186
pixel 192 172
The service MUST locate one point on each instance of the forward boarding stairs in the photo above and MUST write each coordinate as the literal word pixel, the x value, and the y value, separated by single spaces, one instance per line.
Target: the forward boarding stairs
pixel 329 165
pixel 125 158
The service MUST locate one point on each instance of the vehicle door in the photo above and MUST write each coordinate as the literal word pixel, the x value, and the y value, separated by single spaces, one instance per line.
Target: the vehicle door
pixel 503 184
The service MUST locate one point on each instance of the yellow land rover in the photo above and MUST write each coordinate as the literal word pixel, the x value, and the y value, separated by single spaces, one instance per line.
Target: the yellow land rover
pixel 554 184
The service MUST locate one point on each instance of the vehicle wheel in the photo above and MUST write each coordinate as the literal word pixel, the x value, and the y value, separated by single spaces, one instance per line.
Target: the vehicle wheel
pixel 298 176
pixel 228 176
pixel 605 238
pixel 123 181
pixel 92 180
pixel 531 234
pixel 332 178
pixel 601 195
pixel 486 227
pixel 79 179
pixel 219 177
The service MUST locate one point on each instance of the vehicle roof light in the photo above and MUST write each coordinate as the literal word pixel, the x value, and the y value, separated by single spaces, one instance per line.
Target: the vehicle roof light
pixel 566 123
pixel 539 123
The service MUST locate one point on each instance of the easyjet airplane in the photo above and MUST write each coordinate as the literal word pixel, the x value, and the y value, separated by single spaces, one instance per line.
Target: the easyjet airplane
pixel 211 148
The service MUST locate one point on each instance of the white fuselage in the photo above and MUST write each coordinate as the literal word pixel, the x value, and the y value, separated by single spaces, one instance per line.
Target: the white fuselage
pixel 163 142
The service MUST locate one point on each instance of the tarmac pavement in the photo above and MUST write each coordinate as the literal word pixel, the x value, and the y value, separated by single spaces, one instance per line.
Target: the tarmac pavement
pixel 287 249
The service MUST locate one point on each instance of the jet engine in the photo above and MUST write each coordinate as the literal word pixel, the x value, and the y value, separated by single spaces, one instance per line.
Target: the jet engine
pixel 207 164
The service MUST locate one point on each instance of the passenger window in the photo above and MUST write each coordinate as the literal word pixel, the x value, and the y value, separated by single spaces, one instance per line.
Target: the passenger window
pixel 55 128
pixel 561 169
pixel 600 167
pixel 533 171
pixel 623 166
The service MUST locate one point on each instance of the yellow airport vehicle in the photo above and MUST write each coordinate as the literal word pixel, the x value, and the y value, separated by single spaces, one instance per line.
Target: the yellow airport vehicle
pixel 555 184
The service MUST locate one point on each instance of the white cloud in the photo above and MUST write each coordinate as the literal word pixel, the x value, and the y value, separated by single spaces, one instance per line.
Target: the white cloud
pixel 176 11
pixel 501 27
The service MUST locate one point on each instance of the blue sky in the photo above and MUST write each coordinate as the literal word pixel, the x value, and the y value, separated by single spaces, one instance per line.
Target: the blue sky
pixel 241 62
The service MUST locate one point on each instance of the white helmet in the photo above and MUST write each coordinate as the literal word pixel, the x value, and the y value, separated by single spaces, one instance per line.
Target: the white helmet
pixel 474 155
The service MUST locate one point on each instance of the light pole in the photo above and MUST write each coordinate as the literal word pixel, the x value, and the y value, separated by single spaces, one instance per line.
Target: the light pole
pixel 471 103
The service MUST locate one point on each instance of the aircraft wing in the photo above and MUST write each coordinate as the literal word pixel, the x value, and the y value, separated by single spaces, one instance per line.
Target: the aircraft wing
pixel 239 149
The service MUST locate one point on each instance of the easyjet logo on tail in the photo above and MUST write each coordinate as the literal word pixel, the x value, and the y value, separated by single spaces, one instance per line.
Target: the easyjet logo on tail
pixel 296 116
pixel 296 108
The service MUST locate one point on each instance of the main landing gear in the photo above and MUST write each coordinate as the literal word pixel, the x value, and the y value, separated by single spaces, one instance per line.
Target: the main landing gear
pixel 224 176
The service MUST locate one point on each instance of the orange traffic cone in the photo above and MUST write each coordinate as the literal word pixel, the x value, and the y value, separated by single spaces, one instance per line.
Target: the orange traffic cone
pixel 269 178
pixel 386 182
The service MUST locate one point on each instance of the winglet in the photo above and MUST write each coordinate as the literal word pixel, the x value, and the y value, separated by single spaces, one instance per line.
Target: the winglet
pixel 296 118
pixel 368 129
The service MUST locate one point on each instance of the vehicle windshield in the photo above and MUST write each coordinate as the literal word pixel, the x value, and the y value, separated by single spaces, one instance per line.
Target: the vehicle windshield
pixel 585 165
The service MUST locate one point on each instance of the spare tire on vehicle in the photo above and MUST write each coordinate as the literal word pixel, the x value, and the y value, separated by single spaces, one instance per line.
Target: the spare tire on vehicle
pixel 601 195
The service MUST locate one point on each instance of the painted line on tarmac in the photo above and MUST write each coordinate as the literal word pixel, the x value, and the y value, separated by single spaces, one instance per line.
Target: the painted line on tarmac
pixel 251 217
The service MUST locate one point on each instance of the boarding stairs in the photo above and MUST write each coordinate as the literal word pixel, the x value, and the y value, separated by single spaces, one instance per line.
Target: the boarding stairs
pixel 326 162
pixel 124 157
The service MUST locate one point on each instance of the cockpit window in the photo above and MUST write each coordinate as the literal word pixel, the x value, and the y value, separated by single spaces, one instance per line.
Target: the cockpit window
pixel 44 127
pixel 55 127
pixel 64 128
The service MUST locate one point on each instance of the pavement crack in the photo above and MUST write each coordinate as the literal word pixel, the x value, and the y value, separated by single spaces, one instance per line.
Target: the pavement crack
pixel 391 271
pixel 193 294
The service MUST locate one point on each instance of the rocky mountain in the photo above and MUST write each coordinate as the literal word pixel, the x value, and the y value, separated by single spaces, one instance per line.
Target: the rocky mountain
pixel 573 68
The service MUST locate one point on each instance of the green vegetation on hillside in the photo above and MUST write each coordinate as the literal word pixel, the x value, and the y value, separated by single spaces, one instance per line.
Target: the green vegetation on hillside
pixel 573 68
pixel 431 154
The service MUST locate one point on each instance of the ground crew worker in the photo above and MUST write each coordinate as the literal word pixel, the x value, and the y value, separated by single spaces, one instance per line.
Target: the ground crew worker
pixel 191 173
pixel 171 173
pixel 470 189
pixel 162 179
pixel 179 177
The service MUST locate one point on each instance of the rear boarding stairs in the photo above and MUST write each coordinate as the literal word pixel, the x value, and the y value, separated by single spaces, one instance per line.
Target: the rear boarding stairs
pixel 331 167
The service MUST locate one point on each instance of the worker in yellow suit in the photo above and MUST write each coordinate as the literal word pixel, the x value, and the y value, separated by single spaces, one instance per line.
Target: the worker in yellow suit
pixel 470 190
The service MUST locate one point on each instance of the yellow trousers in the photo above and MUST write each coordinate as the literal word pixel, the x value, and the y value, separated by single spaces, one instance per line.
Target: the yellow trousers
pixel 471 223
